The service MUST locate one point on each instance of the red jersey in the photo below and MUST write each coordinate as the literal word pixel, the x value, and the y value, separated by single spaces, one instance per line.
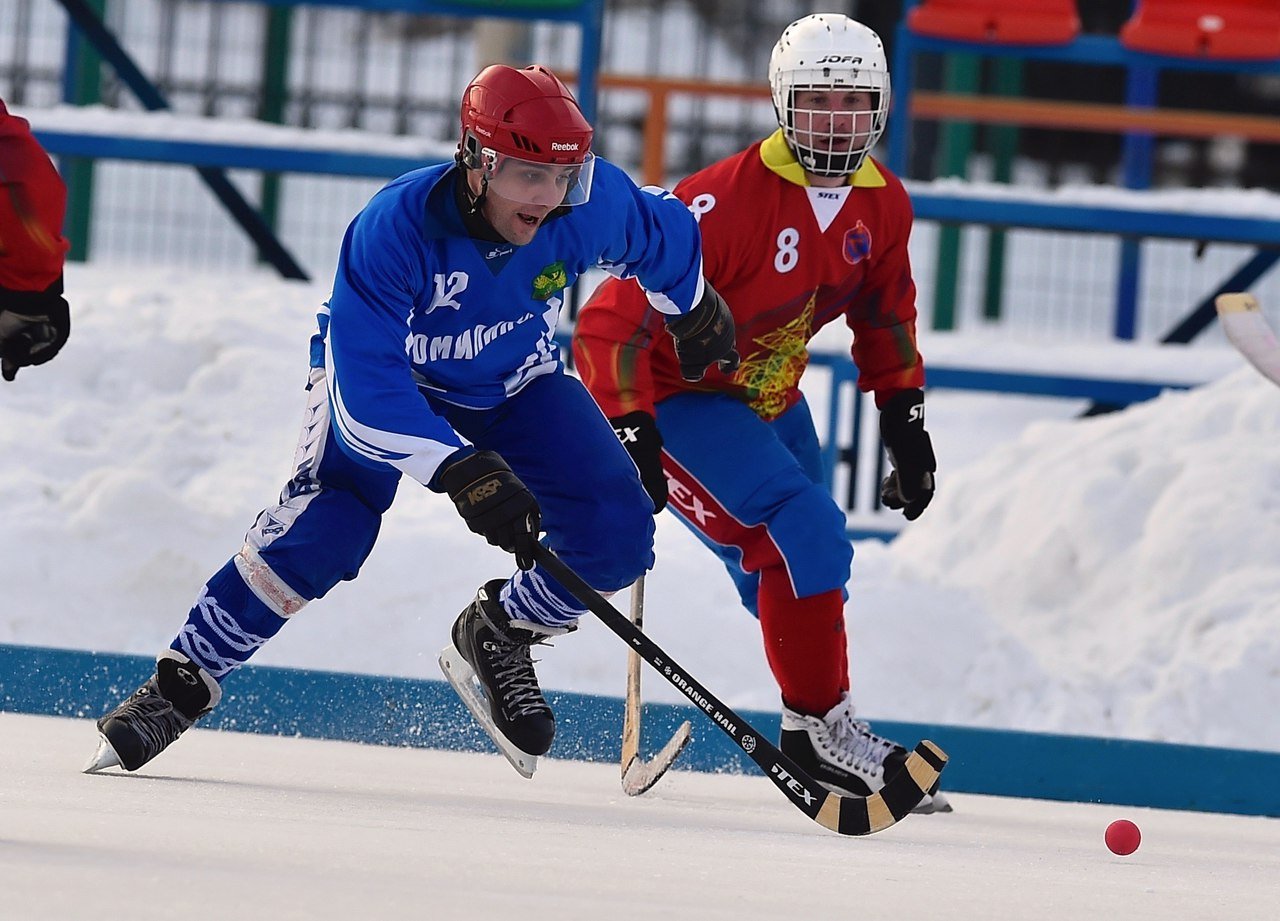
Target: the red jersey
pixel 788 258
pixel 33 200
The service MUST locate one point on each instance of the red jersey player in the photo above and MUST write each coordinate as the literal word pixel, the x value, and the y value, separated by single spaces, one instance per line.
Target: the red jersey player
pixel 799 230
pixel 34 319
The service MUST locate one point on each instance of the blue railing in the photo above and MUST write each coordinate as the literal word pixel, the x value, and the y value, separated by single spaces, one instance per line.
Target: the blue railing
pixel 862 463
pixel 381 710
pixel 1141 71
pixel 276 148
pixel 588 14
pixel 273 148
pixel 162 137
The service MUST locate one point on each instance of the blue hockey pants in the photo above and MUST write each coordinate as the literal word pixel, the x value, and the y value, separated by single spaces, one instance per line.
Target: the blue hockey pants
pixel 595 512
pixel 753 492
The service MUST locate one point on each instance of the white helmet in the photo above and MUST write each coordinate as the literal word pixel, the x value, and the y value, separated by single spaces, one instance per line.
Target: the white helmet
pixel 829 51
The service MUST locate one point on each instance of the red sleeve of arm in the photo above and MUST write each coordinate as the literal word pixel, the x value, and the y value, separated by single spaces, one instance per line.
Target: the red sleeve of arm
pixel 883 317
pixel 617 330
pixel 612 345
pixel 33 202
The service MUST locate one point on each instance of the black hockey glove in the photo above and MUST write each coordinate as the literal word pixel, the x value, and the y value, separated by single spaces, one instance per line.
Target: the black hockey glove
pixel 34 325
pixel 705 336
pixel 639 434
pixel 495 504
pixel 910 486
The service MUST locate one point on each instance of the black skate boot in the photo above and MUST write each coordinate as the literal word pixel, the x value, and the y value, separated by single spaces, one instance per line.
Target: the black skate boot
pixel 144 725
pixel 844 755
pixel 490 667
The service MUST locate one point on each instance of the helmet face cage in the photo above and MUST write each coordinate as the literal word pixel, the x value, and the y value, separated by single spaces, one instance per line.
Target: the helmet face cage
pixel 830 55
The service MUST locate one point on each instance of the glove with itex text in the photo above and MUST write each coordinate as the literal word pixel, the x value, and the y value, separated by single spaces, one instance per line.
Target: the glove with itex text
pixel 910 486
pixel 495 504
pixel 638 432
pixel 705 336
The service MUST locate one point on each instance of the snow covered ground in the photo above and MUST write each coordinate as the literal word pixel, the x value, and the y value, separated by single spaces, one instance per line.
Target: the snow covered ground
pixel 270 829
pixel 1115 576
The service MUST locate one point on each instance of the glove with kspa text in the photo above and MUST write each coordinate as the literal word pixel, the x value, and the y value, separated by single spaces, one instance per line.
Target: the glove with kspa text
pixel 34 325
pixel 910 486
pixel 639 434
pixel 705 336
pixel 495 504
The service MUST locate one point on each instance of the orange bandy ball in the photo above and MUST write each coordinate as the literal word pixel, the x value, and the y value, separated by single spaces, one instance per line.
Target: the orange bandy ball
pixel 1123 837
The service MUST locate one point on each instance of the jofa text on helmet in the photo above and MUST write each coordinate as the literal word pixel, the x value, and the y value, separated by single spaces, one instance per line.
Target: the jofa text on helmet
pixel 840 59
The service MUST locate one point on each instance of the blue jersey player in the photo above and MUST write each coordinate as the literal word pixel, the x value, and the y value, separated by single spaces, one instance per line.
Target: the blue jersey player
pixel 434 359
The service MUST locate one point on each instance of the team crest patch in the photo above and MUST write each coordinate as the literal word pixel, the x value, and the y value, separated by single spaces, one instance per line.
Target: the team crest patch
pixel 550 280
pixel 857 244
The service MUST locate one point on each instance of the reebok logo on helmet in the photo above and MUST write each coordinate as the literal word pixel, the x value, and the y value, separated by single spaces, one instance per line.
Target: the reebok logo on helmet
pixel 564 145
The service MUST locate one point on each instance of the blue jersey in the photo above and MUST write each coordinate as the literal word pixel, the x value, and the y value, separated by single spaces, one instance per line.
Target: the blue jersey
pixel 420 307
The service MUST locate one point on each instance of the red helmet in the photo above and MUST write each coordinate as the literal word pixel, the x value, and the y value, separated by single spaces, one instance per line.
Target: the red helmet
pixel 526 113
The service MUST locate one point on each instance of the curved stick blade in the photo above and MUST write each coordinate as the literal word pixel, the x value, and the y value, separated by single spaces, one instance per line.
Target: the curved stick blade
pixel 857 815
pixel 639 775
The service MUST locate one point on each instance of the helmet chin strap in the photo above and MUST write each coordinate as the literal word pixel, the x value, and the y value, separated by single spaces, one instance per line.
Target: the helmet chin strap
pixel 821 168
pixel 820 165
pixel 467 161
pixel 474 201
pixel 469 204
pixel 478 200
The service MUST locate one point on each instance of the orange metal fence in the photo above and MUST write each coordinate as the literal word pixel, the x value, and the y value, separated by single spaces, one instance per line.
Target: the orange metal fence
pixel 1082 116
pixel 1027 113
pixel 653 163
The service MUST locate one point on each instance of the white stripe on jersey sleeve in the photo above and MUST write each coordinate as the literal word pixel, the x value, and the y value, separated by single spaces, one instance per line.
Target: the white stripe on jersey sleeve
pixel 413 455
pixel 660 301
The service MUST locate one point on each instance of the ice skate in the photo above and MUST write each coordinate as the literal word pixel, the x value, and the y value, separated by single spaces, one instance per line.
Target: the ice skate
pixel 489 666
pixel 145 724
pixel 844 755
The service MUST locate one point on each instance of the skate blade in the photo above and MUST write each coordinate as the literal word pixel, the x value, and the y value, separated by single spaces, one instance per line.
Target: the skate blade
pixel 640 775
pixel 105 757
pixel 462 677
pixel 935 803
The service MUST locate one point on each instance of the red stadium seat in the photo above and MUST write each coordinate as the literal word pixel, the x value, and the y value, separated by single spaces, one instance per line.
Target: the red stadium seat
pixel 1002 22
pixel 1240 30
